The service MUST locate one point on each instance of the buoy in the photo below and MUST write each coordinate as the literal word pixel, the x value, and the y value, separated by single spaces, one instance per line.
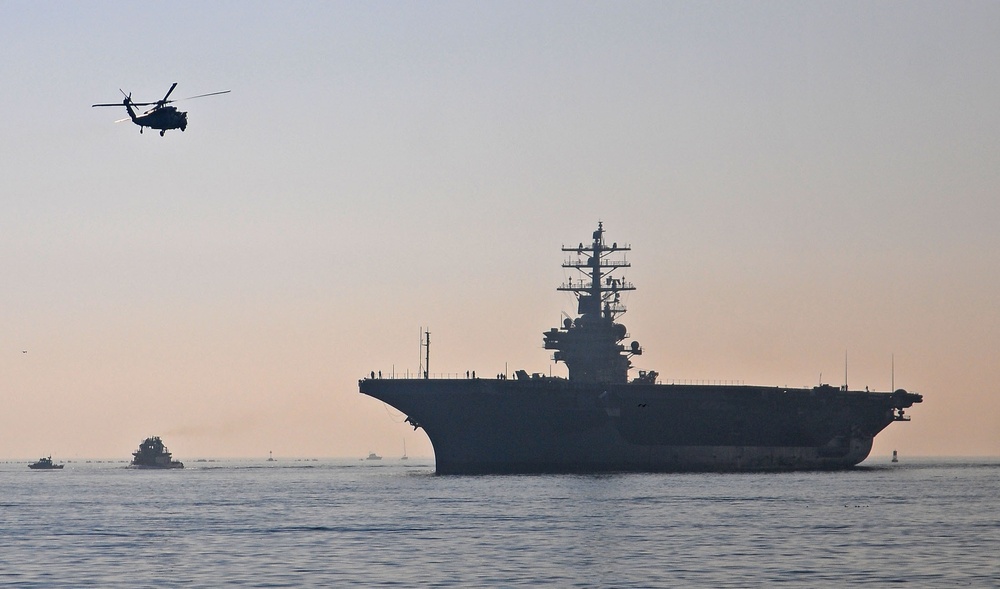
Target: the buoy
pixel 895 458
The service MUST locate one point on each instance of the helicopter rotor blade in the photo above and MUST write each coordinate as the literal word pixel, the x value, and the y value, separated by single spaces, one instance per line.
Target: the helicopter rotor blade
pixel 119 104
pixel 128 97
pixel 159 103
pixel 123 120
pixel 167 95
pixel 201 96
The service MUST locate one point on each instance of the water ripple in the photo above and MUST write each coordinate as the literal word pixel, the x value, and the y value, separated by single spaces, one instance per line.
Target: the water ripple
pixel 922 524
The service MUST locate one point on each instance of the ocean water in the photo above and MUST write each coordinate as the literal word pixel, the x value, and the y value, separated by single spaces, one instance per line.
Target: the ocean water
pixel 341 523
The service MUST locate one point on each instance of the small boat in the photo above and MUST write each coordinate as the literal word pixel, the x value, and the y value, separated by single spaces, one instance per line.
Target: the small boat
pixel 153 454
pixel 373 456
pixel 270 457
pixel 45 464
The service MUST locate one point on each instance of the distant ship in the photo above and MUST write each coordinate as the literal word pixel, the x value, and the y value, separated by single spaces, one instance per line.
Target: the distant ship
pixel 45 464
pixel 373 456
pixel 153 454
pixel 597 420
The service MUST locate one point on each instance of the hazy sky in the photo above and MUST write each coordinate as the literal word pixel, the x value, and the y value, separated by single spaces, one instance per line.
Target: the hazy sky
pixel 798 181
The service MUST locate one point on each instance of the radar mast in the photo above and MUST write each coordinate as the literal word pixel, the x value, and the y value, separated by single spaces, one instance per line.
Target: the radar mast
pixel 591 344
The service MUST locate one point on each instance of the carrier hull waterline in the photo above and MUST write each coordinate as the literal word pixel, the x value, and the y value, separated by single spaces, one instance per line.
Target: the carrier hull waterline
pixel 598 420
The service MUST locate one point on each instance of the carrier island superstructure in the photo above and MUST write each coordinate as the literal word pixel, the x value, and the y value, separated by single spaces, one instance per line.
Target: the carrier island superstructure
pixel 598 420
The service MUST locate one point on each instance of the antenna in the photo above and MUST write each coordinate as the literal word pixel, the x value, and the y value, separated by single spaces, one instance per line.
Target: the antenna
pixel 426 344
pixel 845 370
pixel 892 381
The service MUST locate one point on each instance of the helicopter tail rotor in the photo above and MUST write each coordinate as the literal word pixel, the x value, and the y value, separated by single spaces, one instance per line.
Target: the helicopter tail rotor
pixel 127 103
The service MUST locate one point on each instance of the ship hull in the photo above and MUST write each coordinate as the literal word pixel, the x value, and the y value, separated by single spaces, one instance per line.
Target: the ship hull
pixel 555 425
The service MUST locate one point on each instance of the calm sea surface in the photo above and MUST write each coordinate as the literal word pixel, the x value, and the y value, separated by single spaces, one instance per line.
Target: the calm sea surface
pixel 919 523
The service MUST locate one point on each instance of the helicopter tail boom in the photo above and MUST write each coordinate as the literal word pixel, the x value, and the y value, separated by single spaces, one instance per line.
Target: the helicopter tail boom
pixel 127 103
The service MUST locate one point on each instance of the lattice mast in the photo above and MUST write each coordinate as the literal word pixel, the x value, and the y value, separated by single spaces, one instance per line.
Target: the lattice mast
pixel 591 344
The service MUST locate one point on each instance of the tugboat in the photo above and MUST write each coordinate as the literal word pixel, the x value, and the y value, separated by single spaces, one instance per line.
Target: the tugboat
pixel 598 419
pixel 153 454
pixel 45 464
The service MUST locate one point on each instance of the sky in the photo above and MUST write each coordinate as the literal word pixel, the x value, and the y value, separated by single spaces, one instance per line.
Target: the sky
pixel 805 186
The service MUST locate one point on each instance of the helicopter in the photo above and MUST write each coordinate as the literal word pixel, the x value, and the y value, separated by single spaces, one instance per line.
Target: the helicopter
pixel 161 116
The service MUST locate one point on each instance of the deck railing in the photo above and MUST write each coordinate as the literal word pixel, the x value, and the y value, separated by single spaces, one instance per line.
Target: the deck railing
pixel 470 375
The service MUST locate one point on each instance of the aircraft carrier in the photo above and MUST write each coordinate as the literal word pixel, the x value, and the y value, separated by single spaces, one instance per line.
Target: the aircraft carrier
pixel 598 420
